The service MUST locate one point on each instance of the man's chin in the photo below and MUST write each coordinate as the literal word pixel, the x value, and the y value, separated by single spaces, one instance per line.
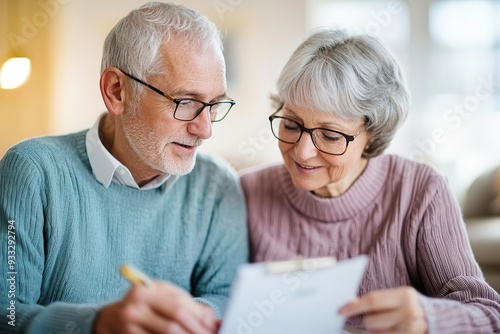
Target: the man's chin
pixel 182 166
pixel 182 172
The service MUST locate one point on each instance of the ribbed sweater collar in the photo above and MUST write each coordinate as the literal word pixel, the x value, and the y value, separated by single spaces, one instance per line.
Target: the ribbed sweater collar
pixel 356 199
pixel 81 147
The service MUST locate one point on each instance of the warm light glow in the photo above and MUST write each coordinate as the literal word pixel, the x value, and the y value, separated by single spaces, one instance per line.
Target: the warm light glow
pixel 15 72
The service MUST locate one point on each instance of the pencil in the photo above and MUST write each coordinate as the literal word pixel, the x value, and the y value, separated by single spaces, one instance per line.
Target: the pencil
pixel 135 276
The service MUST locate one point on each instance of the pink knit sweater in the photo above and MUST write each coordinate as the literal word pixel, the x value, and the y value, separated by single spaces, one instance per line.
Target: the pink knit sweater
pixel 402 215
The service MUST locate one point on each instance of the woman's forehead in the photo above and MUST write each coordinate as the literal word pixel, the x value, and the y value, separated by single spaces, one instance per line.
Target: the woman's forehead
pixel 318 117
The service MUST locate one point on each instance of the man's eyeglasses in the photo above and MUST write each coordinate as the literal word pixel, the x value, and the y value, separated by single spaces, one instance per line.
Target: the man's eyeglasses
pixel 325 140
pixel 188 109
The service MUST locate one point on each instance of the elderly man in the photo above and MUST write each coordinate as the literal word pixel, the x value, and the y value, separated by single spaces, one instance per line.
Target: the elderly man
pixel 132 190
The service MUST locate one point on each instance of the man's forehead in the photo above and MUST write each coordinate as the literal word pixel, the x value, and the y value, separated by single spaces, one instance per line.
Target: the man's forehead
pixel 192 73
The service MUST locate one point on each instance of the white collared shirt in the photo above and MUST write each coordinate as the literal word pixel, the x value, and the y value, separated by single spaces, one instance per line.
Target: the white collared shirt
pixel 107 168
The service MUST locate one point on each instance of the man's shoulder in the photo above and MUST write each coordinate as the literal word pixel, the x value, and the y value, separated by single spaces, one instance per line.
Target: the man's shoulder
pixel 211 175
pixel 48 143
pixel 47 149
pixel 212 166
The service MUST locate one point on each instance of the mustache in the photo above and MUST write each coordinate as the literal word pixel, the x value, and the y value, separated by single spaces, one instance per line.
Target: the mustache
pixel 187 141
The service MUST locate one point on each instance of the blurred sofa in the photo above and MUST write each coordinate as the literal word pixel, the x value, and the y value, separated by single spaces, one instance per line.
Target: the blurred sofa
pixel 481 210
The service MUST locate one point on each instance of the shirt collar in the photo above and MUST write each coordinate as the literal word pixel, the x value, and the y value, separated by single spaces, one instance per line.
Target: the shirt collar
pixel 107 168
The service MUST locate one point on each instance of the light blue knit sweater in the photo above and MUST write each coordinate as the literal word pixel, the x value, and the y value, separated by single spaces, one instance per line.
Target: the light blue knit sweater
pixel 72 234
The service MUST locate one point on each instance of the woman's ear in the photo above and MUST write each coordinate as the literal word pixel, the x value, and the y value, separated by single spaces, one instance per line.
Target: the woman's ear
pixel 113 90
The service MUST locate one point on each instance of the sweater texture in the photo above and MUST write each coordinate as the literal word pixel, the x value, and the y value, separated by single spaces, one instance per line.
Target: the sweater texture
pixel 399 213
pixel 72 235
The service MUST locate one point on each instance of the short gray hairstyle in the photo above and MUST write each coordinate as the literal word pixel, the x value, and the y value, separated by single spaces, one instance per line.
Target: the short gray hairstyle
pixel 134 42
pixel 351 76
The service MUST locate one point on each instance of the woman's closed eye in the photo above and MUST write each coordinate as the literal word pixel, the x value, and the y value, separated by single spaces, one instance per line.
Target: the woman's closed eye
pixel 329 136
pixel 290 125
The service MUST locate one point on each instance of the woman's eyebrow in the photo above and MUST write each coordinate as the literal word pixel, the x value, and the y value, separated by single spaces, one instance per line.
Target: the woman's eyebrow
pixel 289 111
pixel 333 125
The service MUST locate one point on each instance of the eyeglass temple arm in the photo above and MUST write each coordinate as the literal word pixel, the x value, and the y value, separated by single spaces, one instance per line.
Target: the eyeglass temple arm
pixel 153 88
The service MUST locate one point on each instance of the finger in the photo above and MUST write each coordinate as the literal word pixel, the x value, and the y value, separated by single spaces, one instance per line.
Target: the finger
pixel 376 301
pixel 190 323
pixel 143 306
pixel 165 326
pixel 383 321
pixel 391 310
pixel 177 305
pixel 395 323
pixel 136 329
pixel 209 319
pixel 152 322
pixel 349 308
pixel 218 325
pixel 117 318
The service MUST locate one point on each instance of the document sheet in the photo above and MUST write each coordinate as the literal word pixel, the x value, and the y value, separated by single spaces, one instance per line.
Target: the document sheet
pixel 294 301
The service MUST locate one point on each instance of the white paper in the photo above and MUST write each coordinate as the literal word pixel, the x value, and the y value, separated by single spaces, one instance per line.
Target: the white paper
pixel 291 303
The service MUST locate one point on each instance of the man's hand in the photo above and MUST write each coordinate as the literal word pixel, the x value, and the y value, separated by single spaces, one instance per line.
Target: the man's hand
pixel 389 311
pixel 163 309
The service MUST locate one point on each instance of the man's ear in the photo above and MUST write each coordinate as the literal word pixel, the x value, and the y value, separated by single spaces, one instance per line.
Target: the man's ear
pixel 113 90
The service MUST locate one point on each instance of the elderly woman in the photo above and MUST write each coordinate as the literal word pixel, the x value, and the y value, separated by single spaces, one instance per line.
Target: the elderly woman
pixel 341 99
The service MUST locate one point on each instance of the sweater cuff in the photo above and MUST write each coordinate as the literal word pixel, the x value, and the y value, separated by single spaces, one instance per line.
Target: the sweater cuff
pixel 65 318
pixel 213 304
pixel 429 314
pixel 441 315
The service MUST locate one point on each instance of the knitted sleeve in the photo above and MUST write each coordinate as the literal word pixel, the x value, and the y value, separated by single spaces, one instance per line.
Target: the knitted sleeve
pixel 226 246
pixel 22 202
pixel 458 299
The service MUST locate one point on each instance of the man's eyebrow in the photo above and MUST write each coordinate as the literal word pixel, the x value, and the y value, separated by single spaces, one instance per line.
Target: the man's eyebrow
pixel 183 93
pixel 221 97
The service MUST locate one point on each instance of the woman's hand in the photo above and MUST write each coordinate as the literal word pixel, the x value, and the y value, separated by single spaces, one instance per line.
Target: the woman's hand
pixel 389 311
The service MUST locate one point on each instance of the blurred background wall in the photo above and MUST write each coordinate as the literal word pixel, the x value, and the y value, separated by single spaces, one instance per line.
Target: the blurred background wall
pixel 449 51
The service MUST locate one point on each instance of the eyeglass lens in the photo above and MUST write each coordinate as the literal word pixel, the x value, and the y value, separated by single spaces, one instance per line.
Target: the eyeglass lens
pixel 327 141
pixel 189 109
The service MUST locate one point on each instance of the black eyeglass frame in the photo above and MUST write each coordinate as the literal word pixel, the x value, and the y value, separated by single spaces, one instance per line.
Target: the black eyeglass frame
pixel 349 138
pixel 178 101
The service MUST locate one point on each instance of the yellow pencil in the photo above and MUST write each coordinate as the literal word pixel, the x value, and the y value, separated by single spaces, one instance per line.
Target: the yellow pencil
pixel 135 276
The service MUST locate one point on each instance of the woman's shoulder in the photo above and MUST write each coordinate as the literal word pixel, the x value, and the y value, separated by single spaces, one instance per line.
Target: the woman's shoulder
pixel 400 165
pixel 419 174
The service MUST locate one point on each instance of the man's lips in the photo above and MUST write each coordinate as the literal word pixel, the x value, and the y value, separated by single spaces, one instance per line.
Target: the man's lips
pixel 188 144
pixel 183 149
pixel 185 145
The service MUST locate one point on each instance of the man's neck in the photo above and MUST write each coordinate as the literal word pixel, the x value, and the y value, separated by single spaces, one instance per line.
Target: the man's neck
pixel 115 142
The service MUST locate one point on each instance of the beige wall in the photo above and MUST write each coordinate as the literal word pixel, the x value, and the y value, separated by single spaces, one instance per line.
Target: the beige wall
pixel 26 111
pixel 63 94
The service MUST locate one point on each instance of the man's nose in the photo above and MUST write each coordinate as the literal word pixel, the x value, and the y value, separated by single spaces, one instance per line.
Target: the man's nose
pixel 201 126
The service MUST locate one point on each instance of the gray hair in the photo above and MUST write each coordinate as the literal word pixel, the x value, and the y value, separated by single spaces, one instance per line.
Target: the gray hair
pixel 134 42
pixel 352 76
